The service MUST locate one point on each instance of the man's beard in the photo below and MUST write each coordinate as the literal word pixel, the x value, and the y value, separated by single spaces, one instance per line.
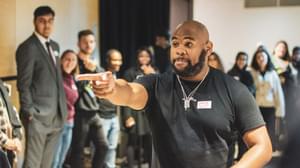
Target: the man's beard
pixel 86 52
pixel 191 70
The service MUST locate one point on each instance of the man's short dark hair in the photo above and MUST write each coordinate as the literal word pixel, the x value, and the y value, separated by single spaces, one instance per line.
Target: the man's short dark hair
pixel 43 10
pixel 85 33
pixel 164 34
pixel 296 49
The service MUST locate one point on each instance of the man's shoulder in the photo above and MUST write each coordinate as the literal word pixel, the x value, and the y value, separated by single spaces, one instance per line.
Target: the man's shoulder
pixel 220 78
pixel 30 41
pixel 165 77
pixel 158 79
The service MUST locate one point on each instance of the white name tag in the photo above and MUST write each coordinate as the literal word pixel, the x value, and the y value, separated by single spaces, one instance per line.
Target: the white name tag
pixel 204 104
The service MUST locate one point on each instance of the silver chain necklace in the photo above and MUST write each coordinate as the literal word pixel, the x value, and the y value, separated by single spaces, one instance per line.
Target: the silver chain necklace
pixel 187 99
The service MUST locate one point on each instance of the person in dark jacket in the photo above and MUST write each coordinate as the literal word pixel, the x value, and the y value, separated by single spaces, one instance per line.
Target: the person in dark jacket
pixel 161 53
pixel 136 122
pixel 240 73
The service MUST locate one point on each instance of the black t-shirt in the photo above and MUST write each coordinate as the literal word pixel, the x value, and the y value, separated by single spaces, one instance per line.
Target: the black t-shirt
pixel 198 137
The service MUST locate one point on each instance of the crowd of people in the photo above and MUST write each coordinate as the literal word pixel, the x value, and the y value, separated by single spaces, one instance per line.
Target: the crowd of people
pixel 176 106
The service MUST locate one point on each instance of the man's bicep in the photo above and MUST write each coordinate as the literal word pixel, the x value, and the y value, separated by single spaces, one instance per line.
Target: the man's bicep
pixel 255 136
pixel 139 97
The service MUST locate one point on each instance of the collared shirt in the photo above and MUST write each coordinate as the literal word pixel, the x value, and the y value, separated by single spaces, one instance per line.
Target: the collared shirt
pixel 43 40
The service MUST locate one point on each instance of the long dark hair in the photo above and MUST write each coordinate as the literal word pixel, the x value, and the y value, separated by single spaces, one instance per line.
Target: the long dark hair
pixel 286 56
pixel 218 59
pixel 238 56
pixel 141 49
pixel 254 63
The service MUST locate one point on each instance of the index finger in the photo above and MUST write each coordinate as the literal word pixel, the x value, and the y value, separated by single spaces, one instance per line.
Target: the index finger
pixel 94 76
pixel 90 77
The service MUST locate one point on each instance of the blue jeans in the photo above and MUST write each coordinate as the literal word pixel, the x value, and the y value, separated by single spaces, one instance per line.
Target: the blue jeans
pixel 111 128
pixel 63 146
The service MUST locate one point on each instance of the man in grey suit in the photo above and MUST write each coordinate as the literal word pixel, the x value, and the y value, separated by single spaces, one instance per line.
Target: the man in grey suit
pixel 42 97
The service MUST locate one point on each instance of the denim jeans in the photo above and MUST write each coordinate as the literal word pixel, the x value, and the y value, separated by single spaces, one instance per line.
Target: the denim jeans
pixel 111 128
pixel 63 146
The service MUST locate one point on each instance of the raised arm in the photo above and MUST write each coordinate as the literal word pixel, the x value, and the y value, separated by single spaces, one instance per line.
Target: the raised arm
pixel 259 149
pixel 117 91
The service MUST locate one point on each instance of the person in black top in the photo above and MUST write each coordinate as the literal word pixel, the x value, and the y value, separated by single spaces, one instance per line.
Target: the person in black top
pixel 87 122
pixel 136 123
pixel 292 89
pixel 290 156
pixel 194 110
pixel 161 52
pixel 240 73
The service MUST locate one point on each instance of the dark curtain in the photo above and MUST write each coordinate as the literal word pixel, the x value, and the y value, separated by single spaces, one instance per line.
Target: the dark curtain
pixel 129 24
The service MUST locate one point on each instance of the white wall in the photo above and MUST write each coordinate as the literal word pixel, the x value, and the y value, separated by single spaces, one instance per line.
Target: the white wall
pixel 233 28
pixel 178 12
pixel 71 16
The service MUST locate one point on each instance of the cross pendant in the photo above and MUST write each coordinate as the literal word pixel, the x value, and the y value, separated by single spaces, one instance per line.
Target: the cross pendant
pixel 187 101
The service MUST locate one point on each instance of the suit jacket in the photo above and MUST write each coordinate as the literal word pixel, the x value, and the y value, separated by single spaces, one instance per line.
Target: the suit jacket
pixel 40 82
pixel 12 114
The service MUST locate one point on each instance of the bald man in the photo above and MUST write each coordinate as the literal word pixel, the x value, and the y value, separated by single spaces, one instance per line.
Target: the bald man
pixel 194 110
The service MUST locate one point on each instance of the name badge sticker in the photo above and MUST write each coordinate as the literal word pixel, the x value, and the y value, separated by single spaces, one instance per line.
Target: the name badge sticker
pixel 204 104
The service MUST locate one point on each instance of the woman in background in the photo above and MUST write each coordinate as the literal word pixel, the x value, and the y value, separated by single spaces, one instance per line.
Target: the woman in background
pixel 239 72
pixel 69 68
pixel 269 93
pixel 281 59
pixel 136 122
pixel 214 61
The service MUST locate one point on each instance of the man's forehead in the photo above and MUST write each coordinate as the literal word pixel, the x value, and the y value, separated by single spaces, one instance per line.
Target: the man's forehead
pixel 189 32
pixel 88 37
pixel 47 16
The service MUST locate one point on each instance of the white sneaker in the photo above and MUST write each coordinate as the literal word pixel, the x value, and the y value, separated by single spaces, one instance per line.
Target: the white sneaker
pixel 276 153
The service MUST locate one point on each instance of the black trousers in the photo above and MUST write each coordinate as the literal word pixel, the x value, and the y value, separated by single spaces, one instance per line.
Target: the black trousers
pixel 4 163
pixel 139 148
pixel 88 125
pixel 268 114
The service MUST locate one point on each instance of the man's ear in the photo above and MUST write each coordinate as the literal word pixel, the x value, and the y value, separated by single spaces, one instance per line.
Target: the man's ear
pixel 209 47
